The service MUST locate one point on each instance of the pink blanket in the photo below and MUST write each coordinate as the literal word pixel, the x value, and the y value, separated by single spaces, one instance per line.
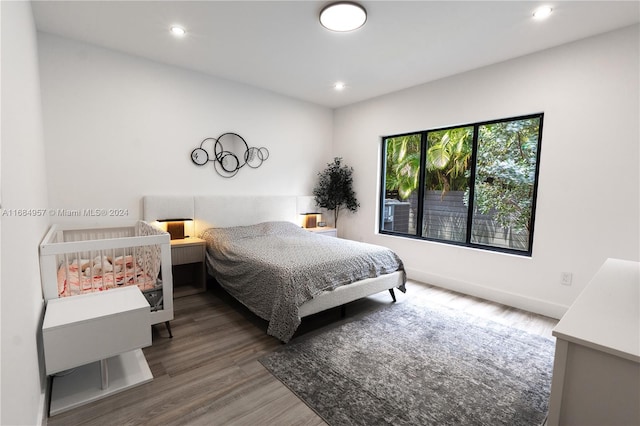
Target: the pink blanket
pixel 89 276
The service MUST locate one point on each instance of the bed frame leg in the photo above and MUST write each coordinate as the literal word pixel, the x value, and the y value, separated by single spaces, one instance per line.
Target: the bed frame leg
pixel 166 323
pixel 393 295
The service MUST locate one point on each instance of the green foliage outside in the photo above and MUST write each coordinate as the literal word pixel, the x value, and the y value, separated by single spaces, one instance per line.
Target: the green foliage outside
pixel 403 164
pixel 448 159
pixel 505 172
pixel 505 167
pixel 334 190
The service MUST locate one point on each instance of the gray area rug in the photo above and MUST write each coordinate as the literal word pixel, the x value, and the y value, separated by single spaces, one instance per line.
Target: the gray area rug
pixel 416 365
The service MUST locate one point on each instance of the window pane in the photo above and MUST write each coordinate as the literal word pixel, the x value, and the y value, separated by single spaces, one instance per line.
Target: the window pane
pixel 504 184
pixel 402 174
pixel 448 161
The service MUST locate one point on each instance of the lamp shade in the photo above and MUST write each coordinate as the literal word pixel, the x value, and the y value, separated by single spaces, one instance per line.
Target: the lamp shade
pixel 310 220
pixel 175 227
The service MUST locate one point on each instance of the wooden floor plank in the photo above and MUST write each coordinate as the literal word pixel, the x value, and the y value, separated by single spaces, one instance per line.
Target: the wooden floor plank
pixel 209 374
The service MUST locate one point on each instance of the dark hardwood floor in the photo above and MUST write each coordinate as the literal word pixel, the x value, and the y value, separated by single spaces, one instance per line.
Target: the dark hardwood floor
pixel 208 373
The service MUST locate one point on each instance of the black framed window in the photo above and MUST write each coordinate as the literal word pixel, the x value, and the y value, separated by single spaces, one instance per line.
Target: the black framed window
pixel 473 185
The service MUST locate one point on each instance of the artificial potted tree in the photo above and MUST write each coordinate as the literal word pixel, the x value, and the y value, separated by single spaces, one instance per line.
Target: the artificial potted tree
pixel 334 190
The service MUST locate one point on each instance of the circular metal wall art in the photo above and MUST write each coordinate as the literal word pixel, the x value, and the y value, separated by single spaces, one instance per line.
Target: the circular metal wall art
pixel 230 153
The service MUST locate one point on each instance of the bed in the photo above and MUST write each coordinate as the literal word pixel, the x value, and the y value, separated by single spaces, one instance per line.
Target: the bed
pixel 247 235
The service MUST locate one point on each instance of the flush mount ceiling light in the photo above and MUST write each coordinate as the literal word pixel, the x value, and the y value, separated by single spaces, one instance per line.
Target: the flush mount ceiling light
pixel 177 31
pixel 339 86
pixel 542 12
pixel 343 16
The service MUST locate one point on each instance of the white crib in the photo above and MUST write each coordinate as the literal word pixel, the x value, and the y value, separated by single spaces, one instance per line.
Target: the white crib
pixel 77 260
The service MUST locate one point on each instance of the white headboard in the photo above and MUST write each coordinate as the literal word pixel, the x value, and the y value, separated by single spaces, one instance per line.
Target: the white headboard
pixel 159 207
pixel 224 210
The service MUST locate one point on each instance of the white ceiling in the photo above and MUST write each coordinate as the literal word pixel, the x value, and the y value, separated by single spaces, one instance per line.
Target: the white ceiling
pixel 281 46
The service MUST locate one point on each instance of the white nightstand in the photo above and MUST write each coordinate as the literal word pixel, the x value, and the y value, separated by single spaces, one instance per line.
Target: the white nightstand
pixel 187 259
pixel 325 230
pixel 99 336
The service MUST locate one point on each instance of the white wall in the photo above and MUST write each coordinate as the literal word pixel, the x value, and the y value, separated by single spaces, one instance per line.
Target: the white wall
pixel 588 197
pixel 23 187
pixel 119 127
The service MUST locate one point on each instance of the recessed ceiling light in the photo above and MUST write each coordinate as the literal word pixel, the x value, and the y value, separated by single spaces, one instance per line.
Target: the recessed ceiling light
pixel 542 12
pixel 339 86
pixel 177 31
pixel 343 16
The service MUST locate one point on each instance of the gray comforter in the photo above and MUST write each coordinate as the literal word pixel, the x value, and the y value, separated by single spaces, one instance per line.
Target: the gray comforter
pixel 274 267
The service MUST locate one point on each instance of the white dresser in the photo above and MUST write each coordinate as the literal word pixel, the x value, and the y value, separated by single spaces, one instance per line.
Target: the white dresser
pixel 596 372
pixel 93 341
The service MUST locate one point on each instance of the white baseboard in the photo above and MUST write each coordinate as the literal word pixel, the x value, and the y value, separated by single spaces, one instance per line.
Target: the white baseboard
pixel 43 413
pixel 529 304
pixel 43 403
